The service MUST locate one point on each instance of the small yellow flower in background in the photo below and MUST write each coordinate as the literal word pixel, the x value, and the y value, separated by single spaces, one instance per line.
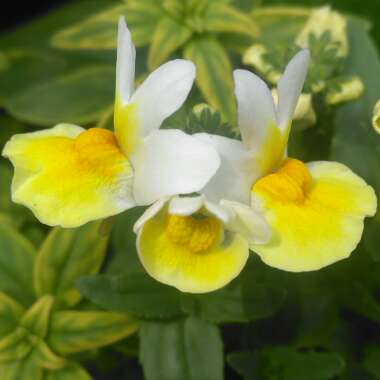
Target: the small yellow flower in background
pixel 68 175
pixel 348 90
pixel 321 20
pixel 194 244
pixel 315 210
pixel 376 117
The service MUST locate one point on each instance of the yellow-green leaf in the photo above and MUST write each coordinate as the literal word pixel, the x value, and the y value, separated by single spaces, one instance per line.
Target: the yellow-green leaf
pixel 72 372
pixel 142 17
pixel 224 18
pixel 214 74
pixel 168 36
pixel 10 314
pixel 15 346
pixel 16 263
pixel 97 32
pixel 65 255
pixel 76 331
pixel 36 319
pixel 26 369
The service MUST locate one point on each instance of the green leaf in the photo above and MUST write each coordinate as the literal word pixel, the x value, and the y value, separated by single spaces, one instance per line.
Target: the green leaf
pixel 15 214
pixel 81 96
pixel 286 363
pixel 279 24
pixel 28 68
pixel 39 31
pixel 142 17
pixel 26 369
pixel 188 349
pixel 135 293
pixel 10 314
pixel 71 372
pixel 76 331
pixel 224 18
pixel 214 74
pixel 355 143
pixel 372 361
pixel 168 36
pixel 16 263
pixel 241 301
pixel 65 255
pixel 123 240
pixel 97 32
pixel 36 319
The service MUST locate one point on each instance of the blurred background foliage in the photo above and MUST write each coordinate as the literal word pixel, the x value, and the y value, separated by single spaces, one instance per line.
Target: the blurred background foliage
pixel 65 294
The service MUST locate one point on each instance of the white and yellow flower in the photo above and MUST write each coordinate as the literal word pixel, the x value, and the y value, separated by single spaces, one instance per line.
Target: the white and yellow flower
pixel 68 175
pixel 315 210
pixel 196 245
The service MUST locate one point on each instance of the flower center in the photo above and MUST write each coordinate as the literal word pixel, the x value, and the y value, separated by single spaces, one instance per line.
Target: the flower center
pixel 289 184
pixel 196 234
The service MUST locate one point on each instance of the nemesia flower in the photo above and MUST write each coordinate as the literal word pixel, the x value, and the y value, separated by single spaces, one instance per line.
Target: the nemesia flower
pixel 68 175
pixel 315 210
pixel 197 245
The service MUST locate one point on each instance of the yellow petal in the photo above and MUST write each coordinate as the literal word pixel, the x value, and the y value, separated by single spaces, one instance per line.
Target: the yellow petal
pixel 68 176
pixel 126 125
pixel 316 220
pixel 194 255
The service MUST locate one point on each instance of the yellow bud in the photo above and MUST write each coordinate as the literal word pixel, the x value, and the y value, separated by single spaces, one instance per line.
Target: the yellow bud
pixel 376 117
pixel 321 20
pixel 348 91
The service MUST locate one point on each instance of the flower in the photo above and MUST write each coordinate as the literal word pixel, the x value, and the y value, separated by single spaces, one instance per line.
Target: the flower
pixel 323 20
pixel 195 244
pixel 315 210
pixel 68 175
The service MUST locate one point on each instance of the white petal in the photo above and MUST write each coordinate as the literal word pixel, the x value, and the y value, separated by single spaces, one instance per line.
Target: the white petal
pixel 170 162
pixel 125 63
pixel 220 212
pixel 248 222
pixel 256 112
pixel 237 171
pixel 185 206
pixel 149 213
pixel 162 93
pixel 290 87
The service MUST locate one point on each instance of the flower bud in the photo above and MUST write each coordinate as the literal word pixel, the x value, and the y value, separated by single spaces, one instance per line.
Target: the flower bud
pixel 347 91
pixel 376 117
pixel 321 20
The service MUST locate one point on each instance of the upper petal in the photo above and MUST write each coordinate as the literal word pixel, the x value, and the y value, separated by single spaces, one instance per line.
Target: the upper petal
pixel 256 111
pixel 160 95
pixel 171 162
pixel 322 229
pixel 125 63
pixel 290 86
pixel 237 171
pixel 68 176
